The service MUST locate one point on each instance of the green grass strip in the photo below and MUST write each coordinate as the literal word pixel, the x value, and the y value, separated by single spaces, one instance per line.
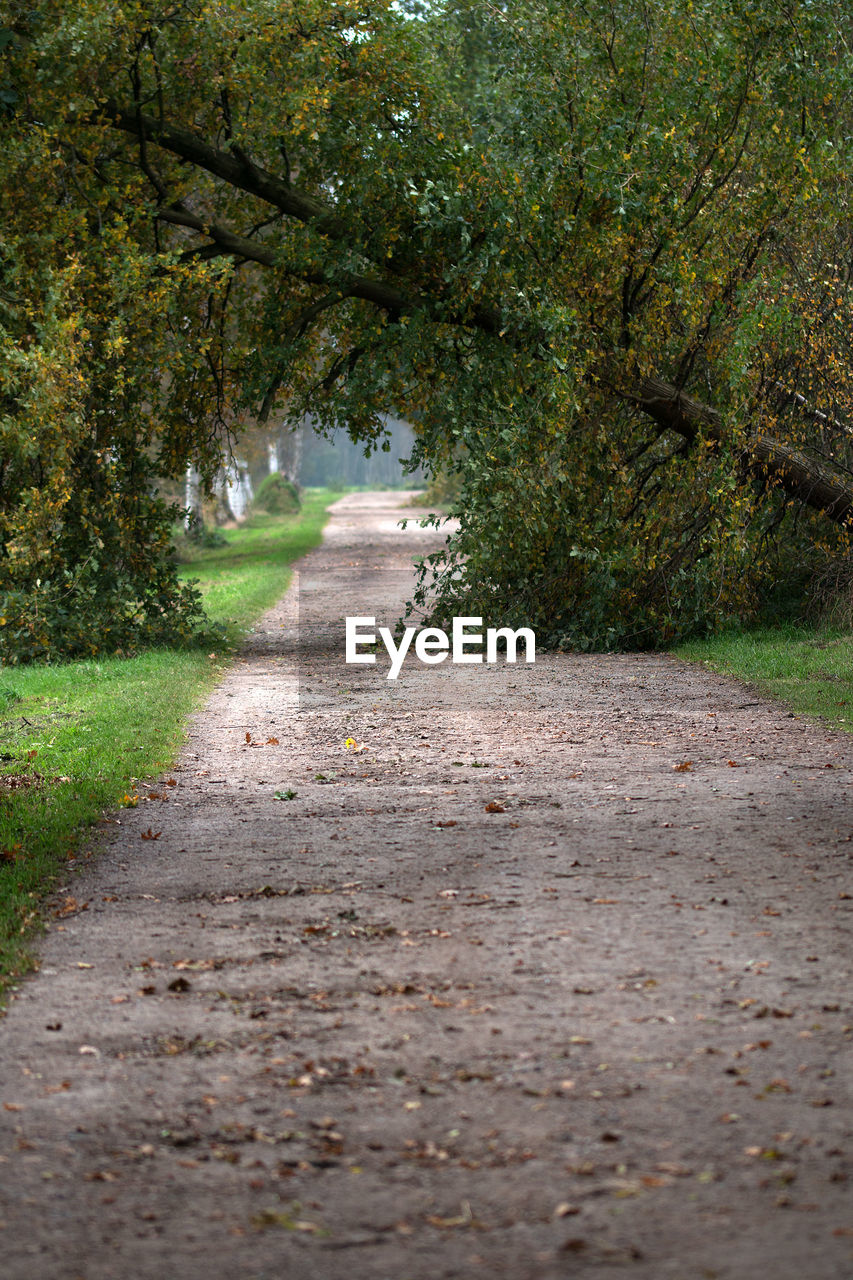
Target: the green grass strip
pixel 76 737
pixel 810 671
pixel 242 579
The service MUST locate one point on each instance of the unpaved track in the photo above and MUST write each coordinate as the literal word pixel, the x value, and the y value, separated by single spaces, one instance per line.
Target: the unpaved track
pixel 605 1031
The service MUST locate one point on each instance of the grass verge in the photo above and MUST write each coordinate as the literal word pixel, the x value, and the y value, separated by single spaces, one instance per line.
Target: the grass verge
pixel 242 579
pixel 809 670
pixel 75 738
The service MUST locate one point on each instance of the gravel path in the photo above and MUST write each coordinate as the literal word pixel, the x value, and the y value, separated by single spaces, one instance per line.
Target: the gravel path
pixel 547 975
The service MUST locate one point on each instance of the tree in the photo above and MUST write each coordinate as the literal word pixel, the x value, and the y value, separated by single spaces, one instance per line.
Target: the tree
pixel 599 253
pixel 86 561
pixel 88 318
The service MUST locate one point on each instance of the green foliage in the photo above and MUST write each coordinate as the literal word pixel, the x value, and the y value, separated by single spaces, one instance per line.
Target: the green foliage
pixel 554 536
pixel 443 490
pixel 199 534
pixel 503 222
pixel 642 182
pixel 90 421
pixel 85 559
pixel 276 495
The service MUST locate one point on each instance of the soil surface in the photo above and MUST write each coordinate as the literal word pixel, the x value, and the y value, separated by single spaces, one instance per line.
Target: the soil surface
pixel 546 973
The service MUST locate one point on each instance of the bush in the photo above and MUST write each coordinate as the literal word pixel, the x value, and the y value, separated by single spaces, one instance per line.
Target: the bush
pixel 101 588
pixel 443 490
pixel 277 496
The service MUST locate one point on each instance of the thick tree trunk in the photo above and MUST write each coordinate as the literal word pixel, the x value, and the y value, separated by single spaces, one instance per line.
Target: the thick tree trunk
pixel 800 477
pixel 286 450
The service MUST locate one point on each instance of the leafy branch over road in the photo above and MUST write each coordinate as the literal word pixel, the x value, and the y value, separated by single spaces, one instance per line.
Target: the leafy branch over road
pixel 598 255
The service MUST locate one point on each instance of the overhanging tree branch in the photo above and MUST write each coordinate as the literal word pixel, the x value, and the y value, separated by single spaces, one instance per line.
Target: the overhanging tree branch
pixel 236 170
pixel 244 175
pixel 230 243
pixel 768 459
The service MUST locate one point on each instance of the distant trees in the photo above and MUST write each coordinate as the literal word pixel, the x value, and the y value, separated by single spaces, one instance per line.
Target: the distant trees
pixel 599 253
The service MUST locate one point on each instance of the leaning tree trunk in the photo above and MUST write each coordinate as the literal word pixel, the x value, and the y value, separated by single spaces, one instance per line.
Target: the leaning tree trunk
pixel 770 460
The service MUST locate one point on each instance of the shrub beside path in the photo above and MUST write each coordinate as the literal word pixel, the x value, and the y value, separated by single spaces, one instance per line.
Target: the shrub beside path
pixel 548 974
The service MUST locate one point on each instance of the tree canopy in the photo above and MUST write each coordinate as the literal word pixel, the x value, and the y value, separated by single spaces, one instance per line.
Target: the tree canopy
pixel 598 253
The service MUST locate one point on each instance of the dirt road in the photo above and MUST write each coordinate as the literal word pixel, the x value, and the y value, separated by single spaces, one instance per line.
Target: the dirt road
pixel 545 974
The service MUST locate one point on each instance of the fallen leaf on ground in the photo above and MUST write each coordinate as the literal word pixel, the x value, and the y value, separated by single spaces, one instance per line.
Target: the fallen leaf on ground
pixel 281 1218
pixel 70 907
pixel 464 1219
